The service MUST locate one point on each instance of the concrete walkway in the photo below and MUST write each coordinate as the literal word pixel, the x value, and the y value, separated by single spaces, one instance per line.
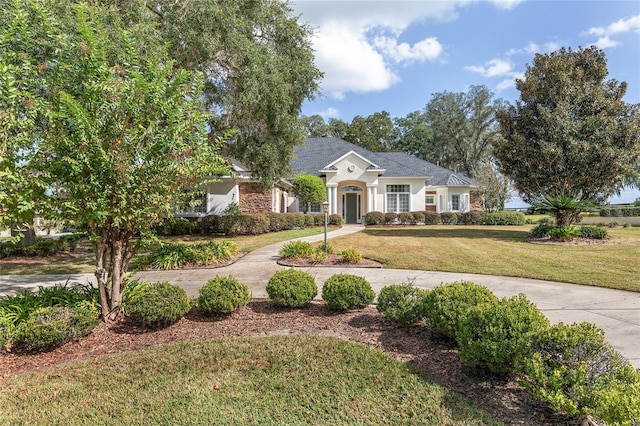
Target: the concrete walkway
pixel 615 311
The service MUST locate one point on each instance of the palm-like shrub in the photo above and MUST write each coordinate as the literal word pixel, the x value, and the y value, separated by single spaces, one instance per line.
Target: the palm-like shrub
pixel 292 288
pixel 345 291
pixel 564 208
pixel 223 295
pixel 402 303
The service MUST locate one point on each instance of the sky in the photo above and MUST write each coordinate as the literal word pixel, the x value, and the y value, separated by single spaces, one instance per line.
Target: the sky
pixel 393 55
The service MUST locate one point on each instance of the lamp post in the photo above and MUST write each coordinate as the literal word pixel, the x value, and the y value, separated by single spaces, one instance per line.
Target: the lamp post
pixel 325 210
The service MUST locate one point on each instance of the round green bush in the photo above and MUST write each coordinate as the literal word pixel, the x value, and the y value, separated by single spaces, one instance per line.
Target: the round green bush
pixel 53 325
pixel 374 218
pixel 292 288
pixel 449 218
pixel 156 305
pixel 447 305
pixel 223 295
pixel 572 368
pixel 350 255
pixel 492 334
pixel 402 303
pixel 345 291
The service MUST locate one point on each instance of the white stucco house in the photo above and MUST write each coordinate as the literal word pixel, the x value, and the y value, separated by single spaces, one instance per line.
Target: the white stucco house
pixel 358 181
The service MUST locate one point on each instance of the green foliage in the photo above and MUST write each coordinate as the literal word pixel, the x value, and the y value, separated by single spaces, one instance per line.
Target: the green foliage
pixel 318 256
pixel 504 218
pixel 595 232
pixel 277 222
pixel 374 218
pixel 390 217
pixel 406 218
pixel 294 220
pixel 251 224
pixel 295 249
pixel 42 247
pixel 402 303
pixel 351 255
pixel 309 220
pixel 447 305
pixel 155 305
pixel 51 326
pixel 309 189
pixel 620 211
pixel 431 218
pixel 541 230
pixel 492 334
pixel 335 220
pixel 418 217
pixel 176 255
pixel 223 295
pixel 563 233
pixel 575 371
pixel 449 218
pixel 571 131
pixel 473 217
pixel 292 288
pixel 565 209
pixel 346 291
pixel 329 248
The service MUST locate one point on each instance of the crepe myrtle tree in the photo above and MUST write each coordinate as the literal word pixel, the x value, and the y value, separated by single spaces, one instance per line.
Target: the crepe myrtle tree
pixel 570 140
pixel 126 134
pixel 309 189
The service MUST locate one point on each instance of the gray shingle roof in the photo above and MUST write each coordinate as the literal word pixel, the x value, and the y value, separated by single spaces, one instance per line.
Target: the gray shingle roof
pixel 317 153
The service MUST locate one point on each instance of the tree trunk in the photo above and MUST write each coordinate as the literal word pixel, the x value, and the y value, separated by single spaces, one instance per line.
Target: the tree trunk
pixel 116 278
pixel 25 231
pixel 102 277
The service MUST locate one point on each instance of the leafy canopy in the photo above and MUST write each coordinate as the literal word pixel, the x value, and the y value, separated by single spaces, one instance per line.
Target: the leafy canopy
pixel 309 189
pixel 570 134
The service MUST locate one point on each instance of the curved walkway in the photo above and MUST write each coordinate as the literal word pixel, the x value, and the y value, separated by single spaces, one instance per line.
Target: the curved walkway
pixel 615 311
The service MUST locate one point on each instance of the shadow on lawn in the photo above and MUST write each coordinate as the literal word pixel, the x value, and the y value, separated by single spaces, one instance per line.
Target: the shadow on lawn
pixel 453 232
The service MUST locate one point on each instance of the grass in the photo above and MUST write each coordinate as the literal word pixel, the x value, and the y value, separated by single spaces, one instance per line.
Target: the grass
pixel 85 263
pixel 502 250
pixel 292 380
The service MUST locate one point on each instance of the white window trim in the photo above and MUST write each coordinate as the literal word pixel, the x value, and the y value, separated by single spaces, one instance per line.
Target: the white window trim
pixel 397 197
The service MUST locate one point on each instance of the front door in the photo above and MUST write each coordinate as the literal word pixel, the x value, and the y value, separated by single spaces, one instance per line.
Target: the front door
pixel 352 204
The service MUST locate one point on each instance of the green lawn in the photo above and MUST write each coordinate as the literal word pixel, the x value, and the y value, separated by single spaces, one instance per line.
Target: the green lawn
pixel 502 250
pixel 292 380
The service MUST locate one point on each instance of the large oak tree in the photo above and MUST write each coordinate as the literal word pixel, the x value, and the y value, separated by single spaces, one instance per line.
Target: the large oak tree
pixel 570 135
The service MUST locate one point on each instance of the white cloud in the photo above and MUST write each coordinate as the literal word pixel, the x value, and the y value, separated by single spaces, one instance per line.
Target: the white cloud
pixel 329 113
pixel 533 48
pixel 506 4
pixel 493 68
pixel 357 42
pixel 427 49
pixel 621 26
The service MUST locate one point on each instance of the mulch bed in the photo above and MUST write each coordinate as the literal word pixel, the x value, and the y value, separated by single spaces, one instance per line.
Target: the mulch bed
pixel 431 353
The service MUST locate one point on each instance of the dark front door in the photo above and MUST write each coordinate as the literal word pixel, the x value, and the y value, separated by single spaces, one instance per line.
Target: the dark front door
pixel 352 207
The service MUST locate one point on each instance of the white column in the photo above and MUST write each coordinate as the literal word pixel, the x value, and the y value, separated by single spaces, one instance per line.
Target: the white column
pixel 334 200
pixel 285 198
pixel 373 197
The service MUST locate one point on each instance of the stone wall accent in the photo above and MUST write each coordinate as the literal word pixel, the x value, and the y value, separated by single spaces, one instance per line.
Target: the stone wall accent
pixel 253 199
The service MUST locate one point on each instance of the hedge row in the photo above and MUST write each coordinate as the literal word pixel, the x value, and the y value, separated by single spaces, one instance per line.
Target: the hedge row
pixel 620 211
pixel 245 224
pixel 42 247
pixel 475 217
pixel 570 367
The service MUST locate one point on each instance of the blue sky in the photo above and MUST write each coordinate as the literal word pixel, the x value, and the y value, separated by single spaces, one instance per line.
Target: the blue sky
pixel 393 55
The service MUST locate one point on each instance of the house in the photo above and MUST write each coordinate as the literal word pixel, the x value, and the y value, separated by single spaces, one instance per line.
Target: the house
pixel 358 181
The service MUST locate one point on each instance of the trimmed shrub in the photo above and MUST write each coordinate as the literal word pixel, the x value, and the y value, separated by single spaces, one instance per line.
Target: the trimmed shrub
pixel 309 220
pixel 449 218
pixel 595 232
pixel 223 295
pixel 374 218
pixel 53 325
pixel 292 288
pixel 351 256
pixel 573 369
pixel 473 217
pixel 345 291
pixel 402 303
pixel 448 304
pixel 294 220
pixel 251 224
pixel 504 218
pixel 492 334
pixel 418 217
pixel 431 218
pixel 318 256
pixel 277 222
pixel 209 224
pixel 295 249
pixel 335 220
pixel 178 226
pixel 155 305
pixel 406 218
pixel 318 219
pixel 390 217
